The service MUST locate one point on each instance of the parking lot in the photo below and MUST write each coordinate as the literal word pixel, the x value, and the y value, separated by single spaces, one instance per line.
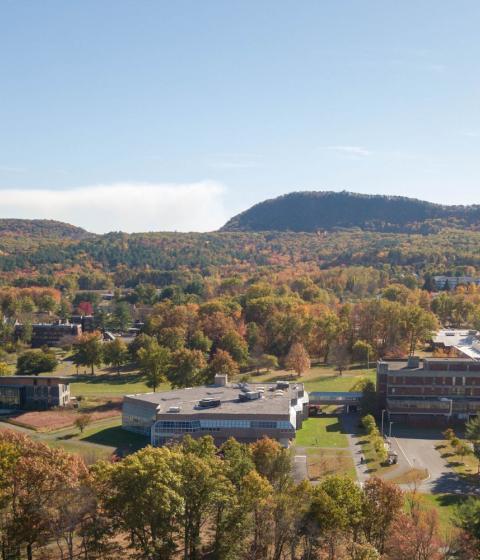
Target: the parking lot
pixel 416 447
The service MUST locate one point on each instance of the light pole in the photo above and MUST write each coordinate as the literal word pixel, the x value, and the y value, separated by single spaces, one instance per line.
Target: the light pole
pixel 383 413
pixel 390 430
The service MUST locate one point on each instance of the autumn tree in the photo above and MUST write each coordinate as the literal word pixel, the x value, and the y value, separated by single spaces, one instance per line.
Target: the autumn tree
pixel 235 345
pixel 141 495
pixel 82 421
pixel 187 368
pixel 89 351
pixel 153 361
pixel 382 502
pixel 33 480
pixel 298 359
pixel 222 364
pixel 115 353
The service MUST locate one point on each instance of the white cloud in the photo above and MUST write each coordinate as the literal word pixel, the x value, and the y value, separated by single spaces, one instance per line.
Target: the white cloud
pixel 123 206
pixel 356 151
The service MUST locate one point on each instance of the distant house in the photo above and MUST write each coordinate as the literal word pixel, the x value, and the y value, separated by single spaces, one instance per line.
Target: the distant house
pixel 31 392
pixel 48 334
pixel 451 282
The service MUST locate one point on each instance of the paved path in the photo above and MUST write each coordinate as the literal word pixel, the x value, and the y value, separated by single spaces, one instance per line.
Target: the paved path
pixel 300 470
pixel 350 427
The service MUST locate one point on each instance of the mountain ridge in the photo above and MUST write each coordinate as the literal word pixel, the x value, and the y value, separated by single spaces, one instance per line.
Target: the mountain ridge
pixel 41 228
pixel 310 211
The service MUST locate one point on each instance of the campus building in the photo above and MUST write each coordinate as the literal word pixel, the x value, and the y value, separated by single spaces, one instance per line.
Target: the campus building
pixel 451 282
pixel 30 392
pixel 49 334
pixel 246 412
pixel 434 390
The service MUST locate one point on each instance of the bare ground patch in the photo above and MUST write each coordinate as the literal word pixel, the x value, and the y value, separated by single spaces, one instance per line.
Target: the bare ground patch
pixel 50 420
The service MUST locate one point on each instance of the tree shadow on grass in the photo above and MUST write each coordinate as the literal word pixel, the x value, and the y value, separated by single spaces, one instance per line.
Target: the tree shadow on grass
pixel 124 442
pixel 110 379
pixel 333 427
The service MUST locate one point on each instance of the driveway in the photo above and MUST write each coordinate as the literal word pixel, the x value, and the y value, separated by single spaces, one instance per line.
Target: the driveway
pixel 417 446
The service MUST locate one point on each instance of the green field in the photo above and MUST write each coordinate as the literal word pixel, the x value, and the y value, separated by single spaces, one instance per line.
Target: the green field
pixel 110 386
pixel 321 378
pixel 111 434
pixel 321 432
pixel 445 504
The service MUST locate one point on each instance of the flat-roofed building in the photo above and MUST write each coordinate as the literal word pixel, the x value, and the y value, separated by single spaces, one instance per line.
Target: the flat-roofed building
pixel 246 412
pixel 435 389
pixel 33 392
pixel 49 334
pixel 451 282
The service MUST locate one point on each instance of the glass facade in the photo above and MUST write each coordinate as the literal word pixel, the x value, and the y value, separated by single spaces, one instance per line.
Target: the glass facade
pixel 163 430
pixel 10 397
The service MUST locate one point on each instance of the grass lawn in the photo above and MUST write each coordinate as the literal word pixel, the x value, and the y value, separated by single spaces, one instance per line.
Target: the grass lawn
pixel 445 504
pixel 325 462
pixel 325 447
pixel 321 378
pixel 110 385
pixel 90 453
pixel 111 434
pixel 465 466
pixel 321 432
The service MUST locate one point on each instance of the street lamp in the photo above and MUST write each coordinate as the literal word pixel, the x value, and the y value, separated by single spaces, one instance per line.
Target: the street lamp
pixel 390 430
pixel 383 412
pixel 450 410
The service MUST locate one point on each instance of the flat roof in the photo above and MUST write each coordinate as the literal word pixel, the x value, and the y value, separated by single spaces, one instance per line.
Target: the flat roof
pixel 455 337
pixel 403 364
pixel 28 377
pixel 187 399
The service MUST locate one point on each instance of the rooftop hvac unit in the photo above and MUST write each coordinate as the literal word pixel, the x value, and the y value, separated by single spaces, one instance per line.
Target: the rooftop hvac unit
pixel 283 384
pixel 174 409
pixel 249 396
pixel 279 393
pixel 209 403
pixel 244 387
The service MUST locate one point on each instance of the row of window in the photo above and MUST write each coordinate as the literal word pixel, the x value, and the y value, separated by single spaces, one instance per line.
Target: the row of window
pixel 198 425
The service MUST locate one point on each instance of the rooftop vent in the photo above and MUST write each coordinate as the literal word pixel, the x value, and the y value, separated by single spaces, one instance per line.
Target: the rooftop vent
pixel 221 380
pixel 283 384
pixel 413 362
pixel 250 396
pixel 209 403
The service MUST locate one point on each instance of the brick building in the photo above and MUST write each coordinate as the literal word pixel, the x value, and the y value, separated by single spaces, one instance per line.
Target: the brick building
pixel 49 334
pixel 32 392
pixel 434 390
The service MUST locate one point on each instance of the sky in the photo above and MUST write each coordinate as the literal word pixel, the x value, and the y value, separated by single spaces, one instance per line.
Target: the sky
pixel 153 115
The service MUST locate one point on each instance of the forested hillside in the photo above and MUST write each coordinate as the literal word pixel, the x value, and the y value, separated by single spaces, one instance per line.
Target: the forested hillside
pixel 146 257
pixel 41 228
pixel 314 211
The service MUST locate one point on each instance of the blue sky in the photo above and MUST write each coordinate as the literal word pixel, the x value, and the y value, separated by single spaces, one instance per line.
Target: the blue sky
pixel 156 115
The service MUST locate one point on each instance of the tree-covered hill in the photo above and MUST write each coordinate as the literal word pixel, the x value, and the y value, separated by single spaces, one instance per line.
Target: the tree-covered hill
pixel 41 228
pixel 311 211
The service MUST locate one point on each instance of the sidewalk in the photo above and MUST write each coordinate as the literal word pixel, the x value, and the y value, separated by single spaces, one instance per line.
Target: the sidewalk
pixel 350 423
